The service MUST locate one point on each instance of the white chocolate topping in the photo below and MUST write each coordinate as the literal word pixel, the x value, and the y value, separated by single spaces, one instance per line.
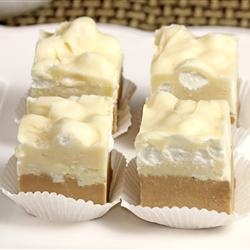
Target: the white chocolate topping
pixel 78 108
pixel 77 55
pixel 42 132
pixel 198 68
pixel 184 137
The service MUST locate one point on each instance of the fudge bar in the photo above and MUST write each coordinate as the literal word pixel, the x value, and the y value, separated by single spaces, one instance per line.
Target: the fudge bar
pixel 196 67
pixel 184 153
pixel 77 59
pixel 64 147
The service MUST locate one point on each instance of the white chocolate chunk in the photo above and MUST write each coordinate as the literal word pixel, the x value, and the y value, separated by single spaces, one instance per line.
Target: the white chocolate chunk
pixel 192 80
pixel 33 130
pixel 74 134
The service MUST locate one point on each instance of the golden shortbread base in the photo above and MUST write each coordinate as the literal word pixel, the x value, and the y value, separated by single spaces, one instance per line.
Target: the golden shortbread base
pixel 170 191
pixel 69 188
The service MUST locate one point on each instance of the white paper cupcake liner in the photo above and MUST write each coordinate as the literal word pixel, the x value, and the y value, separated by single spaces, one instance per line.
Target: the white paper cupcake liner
pixel 244 97
pixel 193 218
pixel 124 113
pixel 56 207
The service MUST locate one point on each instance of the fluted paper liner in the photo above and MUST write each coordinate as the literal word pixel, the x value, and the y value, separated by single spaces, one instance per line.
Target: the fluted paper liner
pixel 193 218
pixel 59 208
pixel 124 113
pixel 244 97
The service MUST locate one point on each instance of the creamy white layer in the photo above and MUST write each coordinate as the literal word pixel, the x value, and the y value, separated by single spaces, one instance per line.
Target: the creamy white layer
pixel 184 138
pixel 205 161
pixel 77 57
pixel 198 68
pixel 55 164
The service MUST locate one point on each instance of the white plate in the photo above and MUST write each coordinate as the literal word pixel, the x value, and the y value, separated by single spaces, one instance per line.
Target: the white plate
pixel 118 228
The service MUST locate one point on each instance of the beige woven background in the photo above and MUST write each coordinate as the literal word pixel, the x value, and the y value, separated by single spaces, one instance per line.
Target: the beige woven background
pixel 143 14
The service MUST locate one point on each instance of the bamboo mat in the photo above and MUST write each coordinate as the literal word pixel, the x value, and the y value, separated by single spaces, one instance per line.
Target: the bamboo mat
pixel 142 14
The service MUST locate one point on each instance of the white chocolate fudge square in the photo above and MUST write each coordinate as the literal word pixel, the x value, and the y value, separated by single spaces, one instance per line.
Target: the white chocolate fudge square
pixel 183 149
pixel 65 146
pixel 77 59
pixel 196 67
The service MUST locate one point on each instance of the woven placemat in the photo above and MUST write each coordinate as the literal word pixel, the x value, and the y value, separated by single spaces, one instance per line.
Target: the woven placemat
pixel 143 14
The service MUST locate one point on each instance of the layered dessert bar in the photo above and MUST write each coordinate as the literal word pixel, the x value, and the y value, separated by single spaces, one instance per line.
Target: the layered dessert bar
pixel 77 59
pixel 184 154
pixel 197 68
pixel 65 146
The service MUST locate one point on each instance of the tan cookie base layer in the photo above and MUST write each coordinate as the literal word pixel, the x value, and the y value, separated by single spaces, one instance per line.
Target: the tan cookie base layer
pixel 170 191
pixel 32 183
